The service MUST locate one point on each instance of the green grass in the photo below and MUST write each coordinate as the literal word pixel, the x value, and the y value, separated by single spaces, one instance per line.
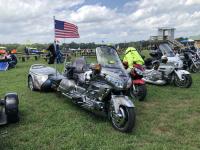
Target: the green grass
pixel 168 119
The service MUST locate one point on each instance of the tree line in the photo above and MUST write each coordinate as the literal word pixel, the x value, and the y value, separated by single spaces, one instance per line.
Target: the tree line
pixel 73 45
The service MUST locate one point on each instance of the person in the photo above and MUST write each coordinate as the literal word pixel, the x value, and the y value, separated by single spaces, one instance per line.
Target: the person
pixel 132 57
pixel 6 56
pixel 13 60
pixel 10 58
pixel 52 54
pixel 58 53
pixel 26 50
pixel 68 57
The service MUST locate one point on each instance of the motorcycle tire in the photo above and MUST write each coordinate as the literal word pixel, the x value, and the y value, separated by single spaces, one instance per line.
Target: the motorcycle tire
pixel 186 83
pixel 31 84
pixel 140 92
pixel 195 69
pixel 127 122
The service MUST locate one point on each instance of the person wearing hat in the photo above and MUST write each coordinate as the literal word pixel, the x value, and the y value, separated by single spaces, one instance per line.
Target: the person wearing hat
pixel 132 57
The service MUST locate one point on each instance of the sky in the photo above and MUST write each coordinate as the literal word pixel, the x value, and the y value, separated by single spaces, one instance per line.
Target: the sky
pixel 111 21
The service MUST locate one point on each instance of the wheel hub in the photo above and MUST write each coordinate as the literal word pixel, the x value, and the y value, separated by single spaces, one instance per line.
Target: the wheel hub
pixel 119 118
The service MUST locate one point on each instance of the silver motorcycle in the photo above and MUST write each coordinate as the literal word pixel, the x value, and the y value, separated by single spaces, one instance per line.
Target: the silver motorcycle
pixel 162 73
pixel 191 60
pixel 99 87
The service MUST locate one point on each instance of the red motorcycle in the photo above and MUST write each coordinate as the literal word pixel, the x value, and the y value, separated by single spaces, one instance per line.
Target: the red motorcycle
pixel 138 89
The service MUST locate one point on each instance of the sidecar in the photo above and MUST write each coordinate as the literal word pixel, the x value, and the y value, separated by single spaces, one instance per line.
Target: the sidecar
pixel 9 109
pixel 43 78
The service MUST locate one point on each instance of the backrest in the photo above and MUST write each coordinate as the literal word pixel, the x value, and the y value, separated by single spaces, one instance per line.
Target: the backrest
pixel 80 65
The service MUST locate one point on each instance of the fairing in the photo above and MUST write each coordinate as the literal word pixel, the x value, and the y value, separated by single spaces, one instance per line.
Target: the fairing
pixel 112 67
pixel 40 74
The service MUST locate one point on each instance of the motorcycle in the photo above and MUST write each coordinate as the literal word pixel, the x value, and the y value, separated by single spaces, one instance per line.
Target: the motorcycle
pixel 164 49
pixel 162 73
pixel 98 87
pixel 191 61
pixel 138 89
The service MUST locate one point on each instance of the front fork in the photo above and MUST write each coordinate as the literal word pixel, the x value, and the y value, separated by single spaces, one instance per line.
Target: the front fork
pixel 195 63
pixel 180 73
pixel 134 88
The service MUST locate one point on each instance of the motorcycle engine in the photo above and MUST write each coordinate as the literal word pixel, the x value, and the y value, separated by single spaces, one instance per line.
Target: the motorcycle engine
pixel 155 75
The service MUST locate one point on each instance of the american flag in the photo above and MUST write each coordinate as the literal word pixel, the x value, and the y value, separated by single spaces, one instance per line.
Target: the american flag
pixel 65 30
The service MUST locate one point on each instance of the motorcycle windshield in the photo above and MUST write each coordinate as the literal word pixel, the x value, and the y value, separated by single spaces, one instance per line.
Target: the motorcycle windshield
pixel 112 66
pixel 166 50
pixel 108 57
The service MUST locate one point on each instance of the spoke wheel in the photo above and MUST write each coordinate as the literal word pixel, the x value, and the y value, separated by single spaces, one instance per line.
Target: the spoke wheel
pixel 185 83
pixel 124 120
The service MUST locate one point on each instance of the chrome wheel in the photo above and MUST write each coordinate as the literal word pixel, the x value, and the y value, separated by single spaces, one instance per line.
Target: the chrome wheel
pixel 119 119
pixel 124 120
pixel 186 82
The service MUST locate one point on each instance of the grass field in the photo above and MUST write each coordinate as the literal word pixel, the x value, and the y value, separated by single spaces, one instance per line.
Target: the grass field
pixel 168 119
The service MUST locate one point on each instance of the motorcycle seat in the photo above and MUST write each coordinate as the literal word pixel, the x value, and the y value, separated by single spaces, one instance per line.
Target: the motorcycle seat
pixel 83 77
pixel 79 77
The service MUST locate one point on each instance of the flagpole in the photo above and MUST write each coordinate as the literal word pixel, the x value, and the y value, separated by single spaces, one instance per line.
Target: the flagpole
pixel 55 42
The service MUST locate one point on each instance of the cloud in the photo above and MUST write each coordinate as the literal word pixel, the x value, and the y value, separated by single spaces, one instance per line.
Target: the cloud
pixel 31 20
pixel 136 20
pixel 192 2
pixel 93 13
pixel 158 13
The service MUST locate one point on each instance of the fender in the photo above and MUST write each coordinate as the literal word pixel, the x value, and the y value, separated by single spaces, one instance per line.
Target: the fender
pixel 139 82
pixel 179 73
pixel 121 100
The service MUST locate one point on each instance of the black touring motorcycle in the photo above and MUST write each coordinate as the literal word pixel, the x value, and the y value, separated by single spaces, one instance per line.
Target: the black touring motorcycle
pixel 99 88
